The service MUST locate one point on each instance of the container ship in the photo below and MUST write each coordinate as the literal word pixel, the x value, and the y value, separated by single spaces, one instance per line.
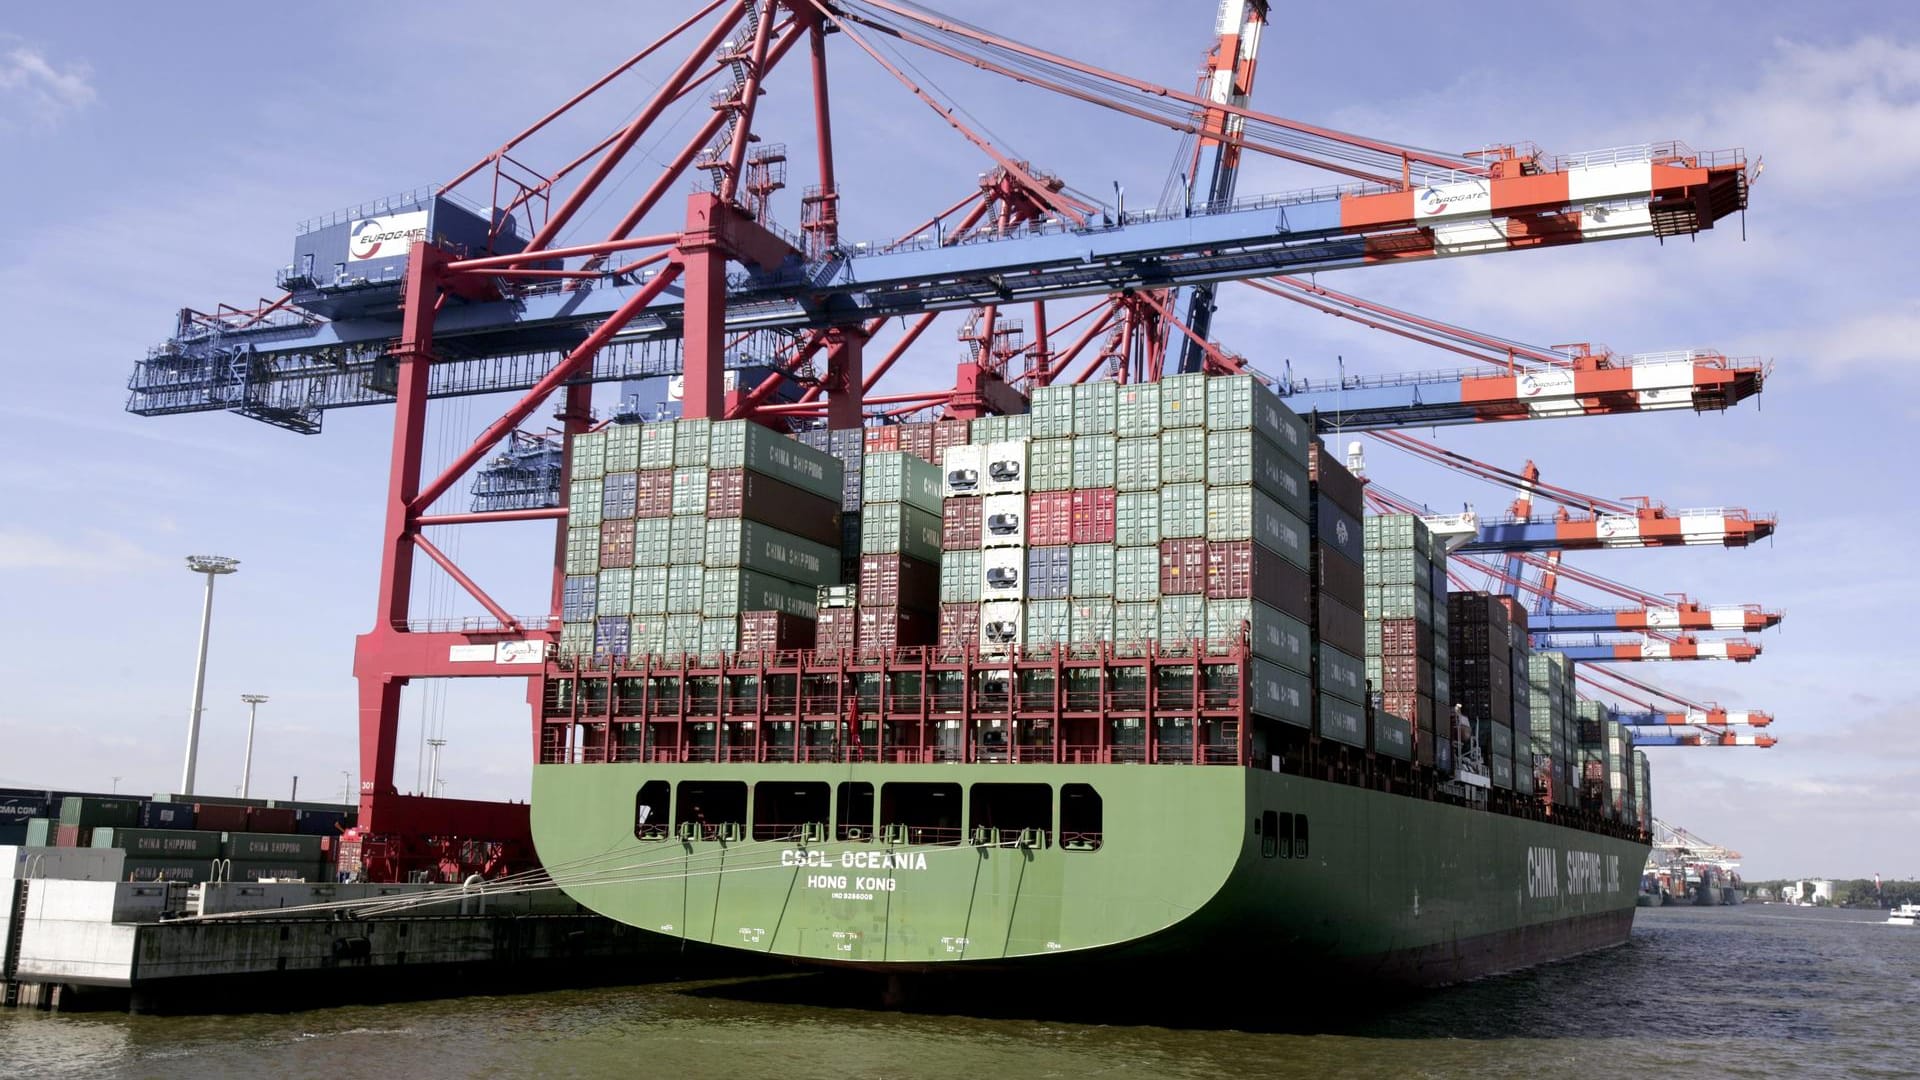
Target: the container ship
pixel 1128 681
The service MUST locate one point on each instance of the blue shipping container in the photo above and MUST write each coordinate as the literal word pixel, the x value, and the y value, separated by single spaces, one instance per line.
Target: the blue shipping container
pixel 319 822
pixel 1049 570
pixel 1338 530
pixel 611 635
pixel 162 815
pixel 617 493
pixel 578 596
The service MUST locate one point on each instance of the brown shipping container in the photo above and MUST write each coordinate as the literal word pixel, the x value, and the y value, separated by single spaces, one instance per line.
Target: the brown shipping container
pixel 899 581
pixel 1049 518
pixel 837 628
pixel 883 437
pixel 960 524
pixel 737 493
pixel 1406 637
pixel 219 817
pixel 895 627
pixel 271 819
pixel 1341 626
pixel 774 631
pixel 1516 613
pixel 653 494
pixel 1337 576
pixel 947 433
pixel 616 543
pixel 1183 567
pixel 1092 516
pixel 1330 478
pixel 1242 569
pixel 959 626
pixel 917 439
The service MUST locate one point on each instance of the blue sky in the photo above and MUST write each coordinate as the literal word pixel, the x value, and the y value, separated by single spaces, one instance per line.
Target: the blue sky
pixel 164 163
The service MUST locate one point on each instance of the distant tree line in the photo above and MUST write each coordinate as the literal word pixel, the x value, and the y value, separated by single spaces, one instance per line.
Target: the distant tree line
pixel 1854 892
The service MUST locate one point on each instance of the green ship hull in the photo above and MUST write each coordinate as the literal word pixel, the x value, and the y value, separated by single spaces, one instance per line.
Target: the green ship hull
pixel 1191 868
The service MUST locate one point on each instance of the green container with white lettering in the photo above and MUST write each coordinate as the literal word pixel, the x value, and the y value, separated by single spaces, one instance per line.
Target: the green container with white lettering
pixel 743 444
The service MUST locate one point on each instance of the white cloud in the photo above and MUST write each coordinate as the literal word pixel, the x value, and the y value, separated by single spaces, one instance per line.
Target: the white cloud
pixel 36 93
pixel 93 551
pixel 1828 118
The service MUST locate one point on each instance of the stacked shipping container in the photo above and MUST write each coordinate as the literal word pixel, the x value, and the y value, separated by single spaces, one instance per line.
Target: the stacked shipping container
pixel 1406 612
pixel 690 527
pixel 1550 678
pixel 1339 576
pixel 1480 653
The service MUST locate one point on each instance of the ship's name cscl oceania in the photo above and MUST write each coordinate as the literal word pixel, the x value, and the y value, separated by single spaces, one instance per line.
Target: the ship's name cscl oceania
pixel 856 860
pixel 1588 873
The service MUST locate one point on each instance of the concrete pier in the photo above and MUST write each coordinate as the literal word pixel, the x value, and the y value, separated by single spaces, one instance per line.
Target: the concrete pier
pixel 76 943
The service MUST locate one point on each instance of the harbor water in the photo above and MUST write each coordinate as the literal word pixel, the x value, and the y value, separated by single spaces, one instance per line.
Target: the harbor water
pixel 1753 991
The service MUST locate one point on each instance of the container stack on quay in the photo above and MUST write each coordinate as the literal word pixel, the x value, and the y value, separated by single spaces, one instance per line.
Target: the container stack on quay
pixel 683 534
pixel 188 838
pixel 1407 649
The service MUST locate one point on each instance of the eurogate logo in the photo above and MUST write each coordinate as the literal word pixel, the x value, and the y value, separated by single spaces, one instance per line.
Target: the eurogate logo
pixel 1431 201
pixel 385 237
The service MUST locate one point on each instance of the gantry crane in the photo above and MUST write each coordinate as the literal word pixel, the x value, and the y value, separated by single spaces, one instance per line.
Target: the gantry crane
pixel 430 295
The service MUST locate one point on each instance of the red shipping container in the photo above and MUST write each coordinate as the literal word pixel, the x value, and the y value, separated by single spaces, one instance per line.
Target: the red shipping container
pixel 1049 518
pixel 774 631
pixel 219 817
pixel 1183 567
pixel 917 439
pixel 948 433
pixel 1330 478
pixel 1405 637
pixel 894 627
pixel 1092 516
pixel 883 437
pixel 653 493
pixel 270 819
pixel 960 524
pixel 761 498
pixel 70 836
pixel 1515 612
pixel 836 628
pixel 898 581
pixel 1242 569
pixel 616 542
pixel 959 627
pixel 1337 576
pixel 1341 626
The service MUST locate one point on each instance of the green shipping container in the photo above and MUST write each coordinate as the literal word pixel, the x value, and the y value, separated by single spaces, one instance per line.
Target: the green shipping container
pixel 1137 518
pixel 687 539
pixel 653 539
pixel 1245 513
pixel 1138 414
pixel 1136 576
pixel 680 635
pixel 1402 566
pixel 743 444
pixel 1279 694
pixel 1138 468
pixel 271 847
pixel 686 589
pixel 719 636
pixel 1341 721
pixel 1396 602
pixel 1091 573
pixel 1134 626
pixel 739 542
pixel 589 456
pixel 1393 736
pixel 1241 402
pixel 689 491
pixel 1050 464
pixel 1183 401
pixel 1048 622
pixel 160 843
pixel 613 594
pixel 1274 636
pixel 896 529
pixel 1183 455
pixel 960 577
pixel 623 447
pixel 727 593
pixel 1342 675
pixel 1183 620
pixel 651 587
pixel 1236 458
pixel 1091 621
pixel 897 476
pixel 1095 405
pixel 656 445
pixel 576 639
pixel 1183 511
pixel 583 504
pixel 1052 411
pixel 583 551
pixel 1094 461
pixel 692 443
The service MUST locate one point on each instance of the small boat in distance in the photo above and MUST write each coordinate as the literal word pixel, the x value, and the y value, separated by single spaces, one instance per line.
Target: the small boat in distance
pixel 1904 915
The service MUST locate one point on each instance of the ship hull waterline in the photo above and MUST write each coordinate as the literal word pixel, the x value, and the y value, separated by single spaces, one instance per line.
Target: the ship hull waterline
pixel 1185 879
